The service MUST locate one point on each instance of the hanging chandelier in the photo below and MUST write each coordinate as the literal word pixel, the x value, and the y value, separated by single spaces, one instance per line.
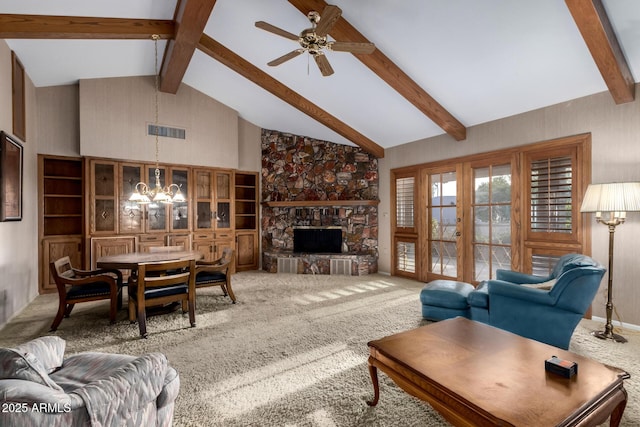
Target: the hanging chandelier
pixel 143 194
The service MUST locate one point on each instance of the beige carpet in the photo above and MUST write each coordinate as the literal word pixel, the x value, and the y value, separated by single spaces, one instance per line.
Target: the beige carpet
pixel 291 352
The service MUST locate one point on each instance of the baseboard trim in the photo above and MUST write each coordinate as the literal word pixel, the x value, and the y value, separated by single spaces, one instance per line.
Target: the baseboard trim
pixel 617 323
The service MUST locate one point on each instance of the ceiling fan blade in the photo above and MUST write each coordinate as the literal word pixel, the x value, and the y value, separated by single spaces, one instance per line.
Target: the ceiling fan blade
pixel 328 19
pixel 323 64
pixel 285 58
pixel 352 47
pixel 275 30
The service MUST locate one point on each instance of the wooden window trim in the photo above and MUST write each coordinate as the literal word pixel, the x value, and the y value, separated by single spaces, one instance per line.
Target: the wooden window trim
pixel 523 243
pixel 18 98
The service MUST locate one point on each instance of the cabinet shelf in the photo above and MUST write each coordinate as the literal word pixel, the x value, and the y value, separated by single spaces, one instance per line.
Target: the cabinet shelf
pixel 61 196
pixel 63 177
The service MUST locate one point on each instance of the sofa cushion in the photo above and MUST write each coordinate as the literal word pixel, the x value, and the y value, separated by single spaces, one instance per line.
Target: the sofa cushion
pixel 24 366
pixel 571 261
pixel 48 350
pixel 480 296
pixel 545 286
pixel 446 293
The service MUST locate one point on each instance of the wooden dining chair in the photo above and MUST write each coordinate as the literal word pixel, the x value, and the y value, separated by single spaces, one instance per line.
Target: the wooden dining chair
pixel 75 286
pixel 217 273
pixel 159 284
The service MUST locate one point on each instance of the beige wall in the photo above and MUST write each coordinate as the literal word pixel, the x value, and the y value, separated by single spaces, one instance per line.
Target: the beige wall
pixel 615 133
pixel 249 148
pixel 58 120
pixel 114 114
pixel 18 242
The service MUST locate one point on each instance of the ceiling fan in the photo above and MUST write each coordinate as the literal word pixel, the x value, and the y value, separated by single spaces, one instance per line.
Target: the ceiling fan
pixel 314 40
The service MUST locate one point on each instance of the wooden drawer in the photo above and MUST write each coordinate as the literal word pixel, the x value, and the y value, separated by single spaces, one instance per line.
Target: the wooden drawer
pixel 202 236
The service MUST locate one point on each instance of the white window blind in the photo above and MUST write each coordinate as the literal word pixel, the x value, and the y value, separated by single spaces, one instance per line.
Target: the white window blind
pixel 404 202
pixel 406 257
pixel 551 195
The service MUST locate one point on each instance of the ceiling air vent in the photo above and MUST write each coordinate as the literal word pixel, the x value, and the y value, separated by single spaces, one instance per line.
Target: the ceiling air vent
pixel 166 131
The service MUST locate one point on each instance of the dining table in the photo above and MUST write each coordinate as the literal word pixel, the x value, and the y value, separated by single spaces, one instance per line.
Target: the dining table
pixel 131 260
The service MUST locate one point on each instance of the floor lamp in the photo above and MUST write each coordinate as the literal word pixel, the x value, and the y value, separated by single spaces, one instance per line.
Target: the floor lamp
pixel 614 200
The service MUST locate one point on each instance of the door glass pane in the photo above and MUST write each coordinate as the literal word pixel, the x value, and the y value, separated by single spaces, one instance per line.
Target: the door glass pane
pixel 406 253
pixel 448 223
pixel 443 224
pixel 482 261
pixel 501 227
pixel 491 220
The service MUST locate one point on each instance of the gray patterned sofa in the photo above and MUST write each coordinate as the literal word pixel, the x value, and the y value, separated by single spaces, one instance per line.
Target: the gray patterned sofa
pixel 39 387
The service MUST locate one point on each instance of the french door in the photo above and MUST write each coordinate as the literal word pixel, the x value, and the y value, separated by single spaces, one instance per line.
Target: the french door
pixel 467 224
pixel 443 223
pixel 488 239
pixel 465 218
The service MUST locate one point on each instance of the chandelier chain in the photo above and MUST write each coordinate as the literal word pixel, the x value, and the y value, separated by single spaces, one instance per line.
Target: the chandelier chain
pixel 157 89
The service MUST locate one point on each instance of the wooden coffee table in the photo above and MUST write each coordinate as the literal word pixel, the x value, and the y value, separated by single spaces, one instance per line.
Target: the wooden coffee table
pixel 475 374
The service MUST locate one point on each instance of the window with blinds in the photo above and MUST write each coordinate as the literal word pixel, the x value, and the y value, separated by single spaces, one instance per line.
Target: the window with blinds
pixel 405 202
pixel 551 183
pixel 542 264
pixel 406 257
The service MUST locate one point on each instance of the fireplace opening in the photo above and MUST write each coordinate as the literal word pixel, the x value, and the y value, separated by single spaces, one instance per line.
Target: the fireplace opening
pixel 317 240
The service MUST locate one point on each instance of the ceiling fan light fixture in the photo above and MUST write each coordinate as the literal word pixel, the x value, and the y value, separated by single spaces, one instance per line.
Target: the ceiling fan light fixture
pixel 314 40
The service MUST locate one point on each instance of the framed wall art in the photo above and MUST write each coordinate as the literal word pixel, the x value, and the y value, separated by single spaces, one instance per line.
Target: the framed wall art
pixel 10 178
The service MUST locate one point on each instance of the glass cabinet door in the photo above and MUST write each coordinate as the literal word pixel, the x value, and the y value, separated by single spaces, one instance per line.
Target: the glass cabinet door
pixel 131 213
pixel 203 199
pixel 223 200
pixel 103 203
pixel 180 211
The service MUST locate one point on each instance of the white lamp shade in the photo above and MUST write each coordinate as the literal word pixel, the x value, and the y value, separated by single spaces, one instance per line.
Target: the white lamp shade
pixel 612 197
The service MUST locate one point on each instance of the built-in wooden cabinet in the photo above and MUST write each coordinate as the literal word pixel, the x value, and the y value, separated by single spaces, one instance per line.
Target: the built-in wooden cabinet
pixel 213 198
pixel 61 195
pixel 61 213
pixel 117 245
pixel 246 220
pixel 85 211
pixel 54 248
pixel 214 221
pixel 247 250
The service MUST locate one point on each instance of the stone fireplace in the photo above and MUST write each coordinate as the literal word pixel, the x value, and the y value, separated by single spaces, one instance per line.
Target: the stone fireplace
pixel 315 185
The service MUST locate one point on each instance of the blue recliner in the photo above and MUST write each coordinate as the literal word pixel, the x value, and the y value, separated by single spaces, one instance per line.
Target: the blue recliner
pixel 545 309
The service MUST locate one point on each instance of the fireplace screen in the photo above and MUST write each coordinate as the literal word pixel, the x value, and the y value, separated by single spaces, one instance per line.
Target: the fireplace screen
pixel 317 240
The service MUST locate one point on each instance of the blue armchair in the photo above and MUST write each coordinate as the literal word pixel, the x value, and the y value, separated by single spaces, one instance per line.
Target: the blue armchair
pixel 545 309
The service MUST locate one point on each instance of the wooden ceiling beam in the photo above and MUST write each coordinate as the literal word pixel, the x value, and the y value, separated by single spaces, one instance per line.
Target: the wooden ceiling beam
pixel 381 65
pixel 191 17
pixel 597 32
pixel 241 66
pixel 78 27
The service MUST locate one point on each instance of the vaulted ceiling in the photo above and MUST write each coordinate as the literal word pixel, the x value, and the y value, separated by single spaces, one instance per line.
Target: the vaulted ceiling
pixel 439 67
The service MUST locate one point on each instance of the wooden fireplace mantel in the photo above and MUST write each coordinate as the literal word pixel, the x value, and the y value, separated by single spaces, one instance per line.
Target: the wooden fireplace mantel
pixel 318 203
